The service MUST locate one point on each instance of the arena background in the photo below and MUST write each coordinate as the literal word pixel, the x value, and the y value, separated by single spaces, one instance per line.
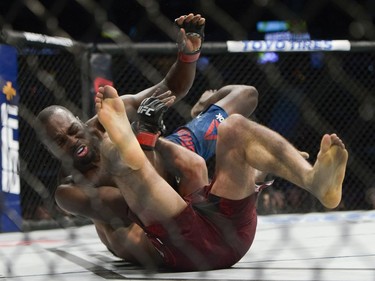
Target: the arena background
pixel 302 94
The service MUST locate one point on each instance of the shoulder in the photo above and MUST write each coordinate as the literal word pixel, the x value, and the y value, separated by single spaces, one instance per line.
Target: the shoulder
pixel 94 123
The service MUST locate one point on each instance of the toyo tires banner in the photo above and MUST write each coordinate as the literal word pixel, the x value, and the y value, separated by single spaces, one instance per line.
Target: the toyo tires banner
pixel 10 209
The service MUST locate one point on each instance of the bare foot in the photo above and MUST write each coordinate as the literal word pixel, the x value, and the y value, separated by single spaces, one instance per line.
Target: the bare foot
pixel 112 115
pixel 329 171
pixel 111 112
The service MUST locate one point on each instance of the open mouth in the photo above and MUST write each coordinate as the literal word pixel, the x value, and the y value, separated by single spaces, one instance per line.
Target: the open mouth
pixel 82 150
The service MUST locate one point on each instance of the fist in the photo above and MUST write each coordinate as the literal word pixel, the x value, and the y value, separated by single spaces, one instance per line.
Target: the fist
pixel 191 33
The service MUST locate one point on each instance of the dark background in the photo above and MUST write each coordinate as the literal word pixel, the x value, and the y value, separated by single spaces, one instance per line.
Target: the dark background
pixel 142 20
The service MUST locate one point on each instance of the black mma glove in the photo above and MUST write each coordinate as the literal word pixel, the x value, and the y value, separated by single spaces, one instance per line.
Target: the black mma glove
pixel 191 30
pixel 150 124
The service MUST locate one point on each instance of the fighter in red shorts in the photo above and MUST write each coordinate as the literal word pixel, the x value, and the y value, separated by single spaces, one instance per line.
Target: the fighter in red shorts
pixel 77 145
pixel 214 227
pixel 208 216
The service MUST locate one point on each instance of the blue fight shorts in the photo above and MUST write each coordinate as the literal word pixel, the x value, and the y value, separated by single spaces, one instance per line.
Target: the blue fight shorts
pixel 200 134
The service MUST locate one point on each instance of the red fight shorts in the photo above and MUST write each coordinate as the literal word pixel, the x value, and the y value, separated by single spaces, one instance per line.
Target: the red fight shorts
pixel 210 233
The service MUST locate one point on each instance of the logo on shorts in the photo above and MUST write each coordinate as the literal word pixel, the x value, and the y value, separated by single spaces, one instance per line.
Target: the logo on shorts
pixel 219 117
pixel 186 139
pixel 211 133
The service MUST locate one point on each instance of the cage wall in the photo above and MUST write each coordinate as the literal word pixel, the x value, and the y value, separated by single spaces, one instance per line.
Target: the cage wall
pixel 302 95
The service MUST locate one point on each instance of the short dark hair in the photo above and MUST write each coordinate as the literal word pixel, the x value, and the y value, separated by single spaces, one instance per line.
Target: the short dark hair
pixel 43 117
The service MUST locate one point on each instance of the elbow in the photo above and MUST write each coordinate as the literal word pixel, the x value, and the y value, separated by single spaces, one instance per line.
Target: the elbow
pixel 250 97
pixel 61 201
pixel 66 200
pixel 252 93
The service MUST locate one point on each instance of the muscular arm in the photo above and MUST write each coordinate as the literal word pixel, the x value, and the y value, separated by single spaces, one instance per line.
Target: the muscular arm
pixel 129 243
pixel 178 80
pixel 102 204
pixel 108 210
pixel 241 99
pixel 106 207
pixel 181 75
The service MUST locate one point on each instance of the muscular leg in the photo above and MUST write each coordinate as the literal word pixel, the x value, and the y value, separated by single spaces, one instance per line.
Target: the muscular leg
pixel 187 165
pixel 244 145
pixel 147 194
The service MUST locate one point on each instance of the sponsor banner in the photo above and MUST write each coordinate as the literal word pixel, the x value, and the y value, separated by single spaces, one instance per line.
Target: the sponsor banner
pixel 288 46
pixel 41 38
pixel 9 165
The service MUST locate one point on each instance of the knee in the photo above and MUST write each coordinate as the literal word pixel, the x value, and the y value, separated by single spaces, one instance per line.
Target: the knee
pixel 195 167
pixel 232 127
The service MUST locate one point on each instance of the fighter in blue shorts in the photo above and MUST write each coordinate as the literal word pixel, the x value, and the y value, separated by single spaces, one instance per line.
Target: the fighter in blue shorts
pixel 200 134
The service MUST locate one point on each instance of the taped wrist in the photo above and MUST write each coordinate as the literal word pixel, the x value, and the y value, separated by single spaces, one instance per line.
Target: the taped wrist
pixel 188 57
pixel 147 135
pixel 147 140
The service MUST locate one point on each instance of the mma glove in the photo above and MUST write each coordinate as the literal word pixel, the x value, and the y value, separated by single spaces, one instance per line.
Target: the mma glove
pixel 150 124
pixel 191 30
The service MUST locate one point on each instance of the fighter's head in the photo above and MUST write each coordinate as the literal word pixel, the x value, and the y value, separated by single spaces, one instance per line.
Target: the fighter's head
pixel 67 138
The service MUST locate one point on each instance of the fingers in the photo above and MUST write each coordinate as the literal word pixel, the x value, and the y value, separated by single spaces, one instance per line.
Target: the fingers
pixel 164 95
pixel 159 95
pixel 195 19
pixel 169 101
pixel 209 92
pixel 167 98
pixel 156 93
pixel 191 33
pixel 186 18
pixel 201 21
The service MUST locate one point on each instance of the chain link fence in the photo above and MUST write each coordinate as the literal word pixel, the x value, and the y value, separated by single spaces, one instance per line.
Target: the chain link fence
pixel 302 96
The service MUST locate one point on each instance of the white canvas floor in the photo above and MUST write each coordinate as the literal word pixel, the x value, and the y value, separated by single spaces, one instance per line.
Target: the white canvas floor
pixel 326 246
